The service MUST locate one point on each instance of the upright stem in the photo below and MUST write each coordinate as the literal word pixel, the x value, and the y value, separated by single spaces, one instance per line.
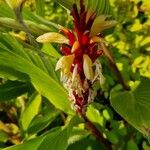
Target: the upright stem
pixel 115 68
pixel 92 128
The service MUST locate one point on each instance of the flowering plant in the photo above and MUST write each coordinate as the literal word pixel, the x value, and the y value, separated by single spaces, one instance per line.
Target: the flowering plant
pixel 93 107
pixel 81 47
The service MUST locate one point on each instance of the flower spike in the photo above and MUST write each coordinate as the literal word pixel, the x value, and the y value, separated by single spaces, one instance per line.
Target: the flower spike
pixel 80 47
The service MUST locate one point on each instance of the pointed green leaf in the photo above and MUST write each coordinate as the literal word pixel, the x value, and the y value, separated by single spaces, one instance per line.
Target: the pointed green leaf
pixel 31 110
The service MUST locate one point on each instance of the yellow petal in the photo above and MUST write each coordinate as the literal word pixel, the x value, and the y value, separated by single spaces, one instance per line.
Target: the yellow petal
pixel 100 24
pixel 64 63
pixel 52 37
pixel 75 46
pixel 87 67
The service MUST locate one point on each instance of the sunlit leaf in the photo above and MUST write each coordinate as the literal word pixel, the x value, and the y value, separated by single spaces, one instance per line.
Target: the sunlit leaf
pixel 31 110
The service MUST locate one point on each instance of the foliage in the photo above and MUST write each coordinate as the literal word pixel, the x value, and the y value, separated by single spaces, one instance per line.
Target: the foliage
pixel 35 111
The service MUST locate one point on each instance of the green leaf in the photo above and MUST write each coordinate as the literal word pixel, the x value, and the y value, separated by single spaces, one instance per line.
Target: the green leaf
pixel 134 106
pixel 50 50
pixel 131 145
pixel 39 7
pixel 99 6
pixel 29 15
pixel 55 141
pixel 34 28
pixel 29 145
pixel 94 115
pixel 3 136
pixel 11 74
pixel 42 82
pixel 55 138
pixel 45 118
pixel 112 137
pixel 77 134
pixel 12 89
pixel 5 10
pixel 31 110
pixel 86 144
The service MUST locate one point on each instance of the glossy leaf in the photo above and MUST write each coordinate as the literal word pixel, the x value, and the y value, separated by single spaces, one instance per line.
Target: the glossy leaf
pixel 134 106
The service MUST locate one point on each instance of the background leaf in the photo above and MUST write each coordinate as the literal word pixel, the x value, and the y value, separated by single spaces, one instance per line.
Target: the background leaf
pixel 99 6
pixel 44 119
pixel 12 89
pixel 134 106
pixel 39 7
pixel 31 110
pixel 55 141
